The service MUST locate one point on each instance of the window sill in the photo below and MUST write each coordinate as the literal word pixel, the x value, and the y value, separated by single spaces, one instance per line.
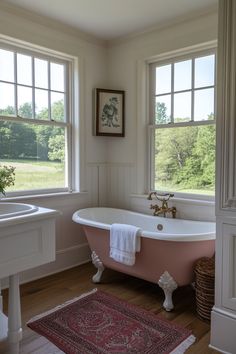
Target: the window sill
pixel 206 201
pixel 43 196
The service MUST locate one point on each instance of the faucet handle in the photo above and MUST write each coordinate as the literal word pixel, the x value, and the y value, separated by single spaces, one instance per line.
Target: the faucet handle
pixel 150 195
pixel 162 196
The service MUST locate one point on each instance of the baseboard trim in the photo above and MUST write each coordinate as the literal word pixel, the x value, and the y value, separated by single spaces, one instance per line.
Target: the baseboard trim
pixel 72 248
pixel 67 258
pixel 223 329
pixel 212 347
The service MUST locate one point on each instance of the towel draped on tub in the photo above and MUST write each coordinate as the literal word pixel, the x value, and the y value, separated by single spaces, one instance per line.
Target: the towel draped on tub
pixel 125 241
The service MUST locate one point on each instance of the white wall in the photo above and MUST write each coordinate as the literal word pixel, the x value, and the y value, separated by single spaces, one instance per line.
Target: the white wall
pixel 127 61
pixel 71 247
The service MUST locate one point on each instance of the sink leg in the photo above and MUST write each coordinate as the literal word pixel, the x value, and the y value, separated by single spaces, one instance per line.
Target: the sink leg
pixel 14 315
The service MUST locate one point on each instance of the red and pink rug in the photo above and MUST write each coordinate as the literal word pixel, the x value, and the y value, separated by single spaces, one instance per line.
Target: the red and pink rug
pixel 99 323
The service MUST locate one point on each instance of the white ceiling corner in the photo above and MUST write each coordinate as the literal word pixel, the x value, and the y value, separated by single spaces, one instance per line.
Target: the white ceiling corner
pixel 111 19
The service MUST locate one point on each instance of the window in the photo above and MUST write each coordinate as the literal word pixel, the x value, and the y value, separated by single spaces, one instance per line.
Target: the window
pixel 182 124
pixel 34 119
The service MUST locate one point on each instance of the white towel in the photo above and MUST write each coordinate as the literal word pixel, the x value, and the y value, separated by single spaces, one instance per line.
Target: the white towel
pixel 124 243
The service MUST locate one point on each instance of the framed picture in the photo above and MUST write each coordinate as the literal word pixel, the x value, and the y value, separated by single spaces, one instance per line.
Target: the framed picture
pixel 109 112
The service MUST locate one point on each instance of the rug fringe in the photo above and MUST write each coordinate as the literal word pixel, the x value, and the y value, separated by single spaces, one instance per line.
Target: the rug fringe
pixel 184 345
pixel 37 317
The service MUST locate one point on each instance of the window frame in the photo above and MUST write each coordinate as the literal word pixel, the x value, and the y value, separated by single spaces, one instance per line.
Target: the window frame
pixel 190 55
pixel 69 63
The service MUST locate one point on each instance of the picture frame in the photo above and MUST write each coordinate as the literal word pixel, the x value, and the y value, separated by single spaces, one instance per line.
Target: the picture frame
pixel 109 112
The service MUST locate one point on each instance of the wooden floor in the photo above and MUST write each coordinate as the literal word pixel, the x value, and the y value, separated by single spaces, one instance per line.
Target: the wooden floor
pixel 46 293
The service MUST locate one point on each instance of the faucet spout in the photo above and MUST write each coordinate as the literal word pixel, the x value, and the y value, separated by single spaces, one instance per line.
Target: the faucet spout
pixel 164 209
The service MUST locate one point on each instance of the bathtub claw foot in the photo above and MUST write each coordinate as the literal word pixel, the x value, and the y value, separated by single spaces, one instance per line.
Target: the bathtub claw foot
pixel 168 285
pixel 100 267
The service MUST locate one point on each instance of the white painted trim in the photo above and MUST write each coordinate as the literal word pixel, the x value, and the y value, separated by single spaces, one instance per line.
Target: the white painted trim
pixel 223 316
pixel 226 198
pixel 75 126
pixel 110 164
pixel 225 312
pixel 60 269
pixel 35 47
pixel 142 157
pixel 165 25
pixel 183 52
pixel 15 10
pixel 79 131
pixel 228 260
pixel 72 248
pixel 57 195
pixel 204 202
pixel 220 351
pixel 142 121
pixel 223 329
pixel 50 273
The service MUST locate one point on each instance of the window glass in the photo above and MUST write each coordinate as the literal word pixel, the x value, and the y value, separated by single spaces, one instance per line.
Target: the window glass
pixel 163 79
pixel 182 107
pixel 24 95
pixel 163 109
pixel 204 104
pixel 57 106
pixel 38 154
pixel 41 73
pixel 57 77
pixel 204 71
pixel 183 75
pixel 185 159
pixel 6 65
pixel 41 104
pixel 24 69
pixel 7 101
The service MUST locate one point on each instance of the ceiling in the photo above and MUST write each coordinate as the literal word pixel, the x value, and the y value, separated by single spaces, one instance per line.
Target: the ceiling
pixel 110 19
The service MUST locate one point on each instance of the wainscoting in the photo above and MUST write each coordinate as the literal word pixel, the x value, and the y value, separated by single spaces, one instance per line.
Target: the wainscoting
pixel 117 185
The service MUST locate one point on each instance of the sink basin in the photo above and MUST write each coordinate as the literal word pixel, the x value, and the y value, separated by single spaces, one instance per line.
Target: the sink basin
pixel 10 210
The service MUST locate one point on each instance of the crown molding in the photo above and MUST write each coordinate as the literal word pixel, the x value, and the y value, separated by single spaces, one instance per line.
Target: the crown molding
pixel 52 24
pixel 196 15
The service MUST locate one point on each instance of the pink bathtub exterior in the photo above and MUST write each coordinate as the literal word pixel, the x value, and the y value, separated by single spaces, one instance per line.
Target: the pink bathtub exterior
pixel 156 256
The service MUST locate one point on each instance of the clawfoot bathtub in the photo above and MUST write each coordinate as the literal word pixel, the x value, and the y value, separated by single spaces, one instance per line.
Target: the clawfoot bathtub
pixel 167 257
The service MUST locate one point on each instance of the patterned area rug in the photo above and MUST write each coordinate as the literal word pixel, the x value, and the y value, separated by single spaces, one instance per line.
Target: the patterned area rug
pixel 99 323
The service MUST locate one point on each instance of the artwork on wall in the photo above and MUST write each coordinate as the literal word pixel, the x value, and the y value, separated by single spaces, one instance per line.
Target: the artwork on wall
pixel 109 112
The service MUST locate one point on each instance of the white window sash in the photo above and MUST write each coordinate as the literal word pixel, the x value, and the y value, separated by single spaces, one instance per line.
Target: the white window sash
pixel 152 97
pixel 57 58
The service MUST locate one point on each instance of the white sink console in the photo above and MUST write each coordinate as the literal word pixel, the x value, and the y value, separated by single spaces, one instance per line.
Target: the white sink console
pixel 27 240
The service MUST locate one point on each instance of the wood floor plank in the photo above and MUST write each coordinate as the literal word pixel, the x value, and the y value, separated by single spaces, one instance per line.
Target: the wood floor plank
pixel 46 293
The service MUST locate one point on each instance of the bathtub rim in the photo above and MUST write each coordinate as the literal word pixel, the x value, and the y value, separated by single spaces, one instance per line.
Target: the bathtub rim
pixel 147 234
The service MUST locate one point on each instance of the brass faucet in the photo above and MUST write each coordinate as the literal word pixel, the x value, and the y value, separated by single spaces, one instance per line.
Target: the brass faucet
pixel 164 208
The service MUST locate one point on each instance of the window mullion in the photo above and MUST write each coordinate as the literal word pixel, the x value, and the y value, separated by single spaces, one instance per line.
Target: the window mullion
pixel 172 93
pixel 33 89
pixel 49 92
pixel 192 93
pixel 152 89
pixel 66 89
pixel 151 161
pixel 15 83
